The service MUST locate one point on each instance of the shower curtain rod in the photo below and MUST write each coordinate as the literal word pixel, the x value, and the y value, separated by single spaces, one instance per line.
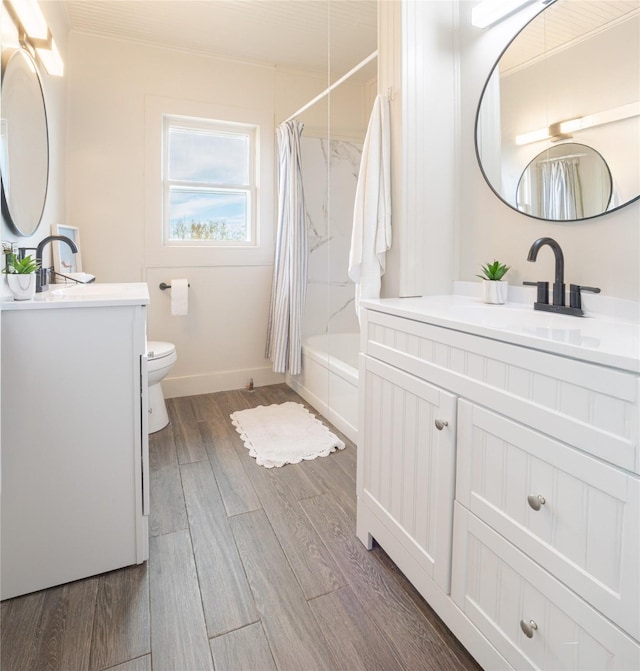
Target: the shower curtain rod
pixel 558 158
pixel 335 84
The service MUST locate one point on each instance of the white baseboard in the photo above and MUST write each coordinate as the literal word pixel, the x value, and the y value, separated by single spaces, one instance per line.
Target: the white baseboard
pixel 207 383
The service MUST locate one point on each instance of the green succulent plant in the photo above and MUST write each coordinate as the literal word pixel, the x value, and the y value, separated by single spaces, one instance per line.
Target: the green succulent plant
pixel 24 266
pixel 494 271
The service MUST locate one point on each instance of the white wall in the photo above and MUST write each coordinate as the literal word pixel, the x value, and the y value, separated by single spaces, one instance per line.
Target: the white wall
pixel 220 344
pixel 603 252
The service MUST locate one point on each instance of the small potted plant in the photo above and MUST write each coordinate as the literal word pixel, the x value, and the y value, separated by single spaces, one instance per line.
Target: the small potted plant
pixel 21 276
pixel 494 288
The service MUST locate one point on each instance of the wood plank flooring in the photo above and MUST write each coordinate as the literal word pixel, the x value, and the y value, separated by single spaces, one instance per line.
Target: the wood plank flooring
pixel 250 569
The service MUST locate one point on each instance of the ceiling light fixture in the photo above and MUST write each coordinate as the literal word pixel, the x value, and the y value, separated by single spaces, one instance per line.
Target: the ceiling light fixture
pixel 35 34
pixel 489 12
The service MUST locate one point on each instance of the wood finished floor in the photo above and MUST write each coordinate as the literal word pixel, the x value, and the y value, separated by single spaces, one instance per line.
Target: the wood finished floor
pixel 250 569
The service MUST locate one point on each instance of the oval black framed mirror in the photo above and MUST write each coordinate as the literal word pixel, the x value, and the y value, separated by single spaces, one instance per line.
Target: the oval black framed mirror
pixel 24 143
pixel 572 74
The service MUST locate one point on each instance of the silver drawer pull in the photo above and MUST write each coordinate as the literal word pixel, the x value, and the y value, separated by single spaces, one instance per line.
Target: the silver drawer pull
pixel 528 628
pixel 536 501
pixel 441 423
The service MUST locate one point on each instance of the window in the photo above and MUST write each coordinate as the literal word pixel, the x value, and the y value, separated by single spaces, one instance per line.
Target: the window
pixel 209 182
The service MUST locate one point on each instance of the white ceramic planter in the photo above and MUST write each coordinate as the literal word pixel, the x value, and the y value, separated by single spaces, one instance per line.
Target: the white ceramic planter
pixel 22 286
pixel 495 292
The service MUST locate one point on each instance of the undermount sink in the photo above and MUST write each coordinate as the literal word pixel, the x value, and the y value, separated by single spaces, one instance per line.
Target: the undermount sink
pixel 491 311
pixel 521 318
pixel 84 290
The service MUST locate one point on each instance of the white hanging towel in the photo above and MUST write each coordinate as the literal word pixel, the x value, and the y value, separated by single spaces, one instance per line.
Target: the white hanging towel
pixel 371 234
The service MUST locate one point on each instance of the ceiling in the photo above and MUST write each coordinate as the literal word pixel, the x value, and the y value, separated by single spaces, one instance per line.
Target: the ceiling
pixel 564 25
pixel 300 34
pixel 292 34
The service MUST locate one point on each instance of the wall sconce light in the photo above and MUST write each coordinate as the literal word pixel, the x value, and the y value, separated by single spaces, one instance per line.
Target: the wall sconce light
pixel 35 33
pixel 488 12
pixel 561 129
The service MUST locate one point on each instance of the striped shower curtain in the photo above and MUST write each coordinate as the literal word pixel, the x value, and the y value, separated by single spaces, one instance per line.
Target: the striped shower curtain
pixel 284 338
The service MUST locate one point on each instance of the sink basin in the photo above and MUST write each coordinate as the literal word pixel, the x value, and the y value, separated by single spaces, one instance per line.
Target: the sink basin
pixel 84 290
pixel 489 311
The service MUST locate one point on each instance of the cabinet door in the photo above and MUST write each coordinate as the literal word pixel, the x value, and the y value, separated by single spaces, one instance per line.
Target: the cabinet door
pixel 573 514
pixel 532 619
pixel 406 470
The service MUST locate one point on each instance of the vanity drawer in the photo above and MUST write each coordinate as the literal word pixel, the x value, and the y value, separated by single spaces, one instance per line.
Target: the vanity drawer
pixel 498 587
pixel 591 407
pixel 583 529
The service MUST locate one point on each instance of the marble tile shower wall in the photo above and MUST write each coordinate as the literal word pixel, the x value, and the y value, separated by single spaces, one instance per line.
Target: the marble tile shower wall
pixel 329 204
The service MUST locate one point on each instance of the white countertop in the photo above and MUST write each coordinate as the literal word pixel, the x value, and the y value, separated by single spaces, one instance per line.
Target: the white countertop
pixel 600 339
pixel 83 296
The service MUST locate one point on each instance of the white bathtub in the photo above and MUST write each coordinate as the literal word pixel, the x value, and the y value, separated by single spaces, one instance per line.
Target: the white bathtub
pixel 329 379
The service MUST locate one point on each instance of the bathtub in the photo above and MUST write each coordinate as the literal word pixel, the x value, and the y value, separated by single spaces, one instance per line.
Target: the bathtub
pixel 329 379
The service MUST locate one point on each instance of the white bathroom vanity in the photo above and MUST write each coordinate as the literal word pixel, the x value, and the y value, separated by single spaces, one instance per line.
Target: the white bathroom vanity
pixel 75 497
pixel 498 467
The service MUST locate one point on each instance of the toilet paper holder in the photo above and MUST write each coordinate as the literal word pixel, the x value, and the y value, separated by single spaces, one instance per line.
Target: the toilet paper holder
pixel 164 285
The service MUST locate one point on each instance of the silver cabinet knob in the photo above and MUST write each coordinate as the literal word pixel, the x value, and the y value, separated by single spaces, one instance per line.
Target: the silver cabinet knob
pixel 441 423
pixel 528 628
pixel 536 501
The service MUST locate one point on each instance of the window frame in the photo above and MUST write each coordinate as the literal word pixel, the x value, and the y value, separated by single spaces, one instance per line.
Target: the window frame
pixel 184 257
pixel 217 127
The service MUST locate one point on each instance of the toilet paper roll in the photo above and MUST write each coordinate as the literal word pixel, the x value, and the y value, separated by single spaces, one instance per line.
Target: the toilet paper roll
pixel 179 297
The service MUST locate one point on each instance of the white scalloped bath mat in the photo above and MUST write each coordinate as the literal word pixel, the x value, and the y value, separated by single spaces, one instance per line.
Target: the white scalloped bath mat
pixel 284 434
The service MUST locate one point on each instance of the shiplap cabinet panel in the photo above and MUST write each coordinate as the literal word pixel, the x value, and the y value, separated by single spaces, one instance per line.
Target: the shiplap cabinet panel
pixel 588 406
pixel 585 531
pixel 497 586
pixel 409 465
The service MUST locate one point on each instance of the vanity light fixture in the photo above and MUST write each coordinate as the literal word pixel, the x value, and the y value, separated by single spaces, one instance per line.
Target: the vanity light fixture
pixel 560 130
pixel 35 34
pixel 31 17
pixel 533 136
pixel 608 116
pixel 488 12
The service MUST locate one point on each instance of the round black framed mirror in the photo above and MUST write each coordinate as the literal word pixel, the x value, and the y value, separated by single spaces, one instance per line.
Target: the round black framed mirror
pixel 571 75
pixel 24 143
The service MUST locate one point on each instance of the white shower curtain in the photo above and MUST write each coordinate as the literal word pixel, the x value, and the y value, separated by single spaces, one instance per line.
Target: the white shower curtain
pixel 561 191
pixel 284 340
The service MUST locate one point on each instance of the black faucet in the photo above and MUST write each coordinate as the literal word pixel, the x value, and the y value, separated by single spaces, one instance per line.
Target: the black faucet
pixel 558 284
pixel 542 301
pixel 42 273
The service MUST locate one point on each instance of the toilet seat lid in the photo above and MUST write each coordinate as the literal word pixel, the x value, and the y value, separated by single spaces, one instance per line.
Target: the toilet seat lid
pixel 158 350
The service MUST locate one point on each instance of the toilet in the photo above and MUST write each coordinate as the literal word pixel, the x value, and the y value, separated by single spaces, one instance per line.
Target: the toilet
pixel 160 359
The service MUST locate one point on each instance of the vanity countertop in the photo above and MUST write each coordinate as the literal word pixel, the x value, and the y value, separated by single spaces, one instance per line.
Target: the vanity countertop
pixel 600 339
pixel 83 296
